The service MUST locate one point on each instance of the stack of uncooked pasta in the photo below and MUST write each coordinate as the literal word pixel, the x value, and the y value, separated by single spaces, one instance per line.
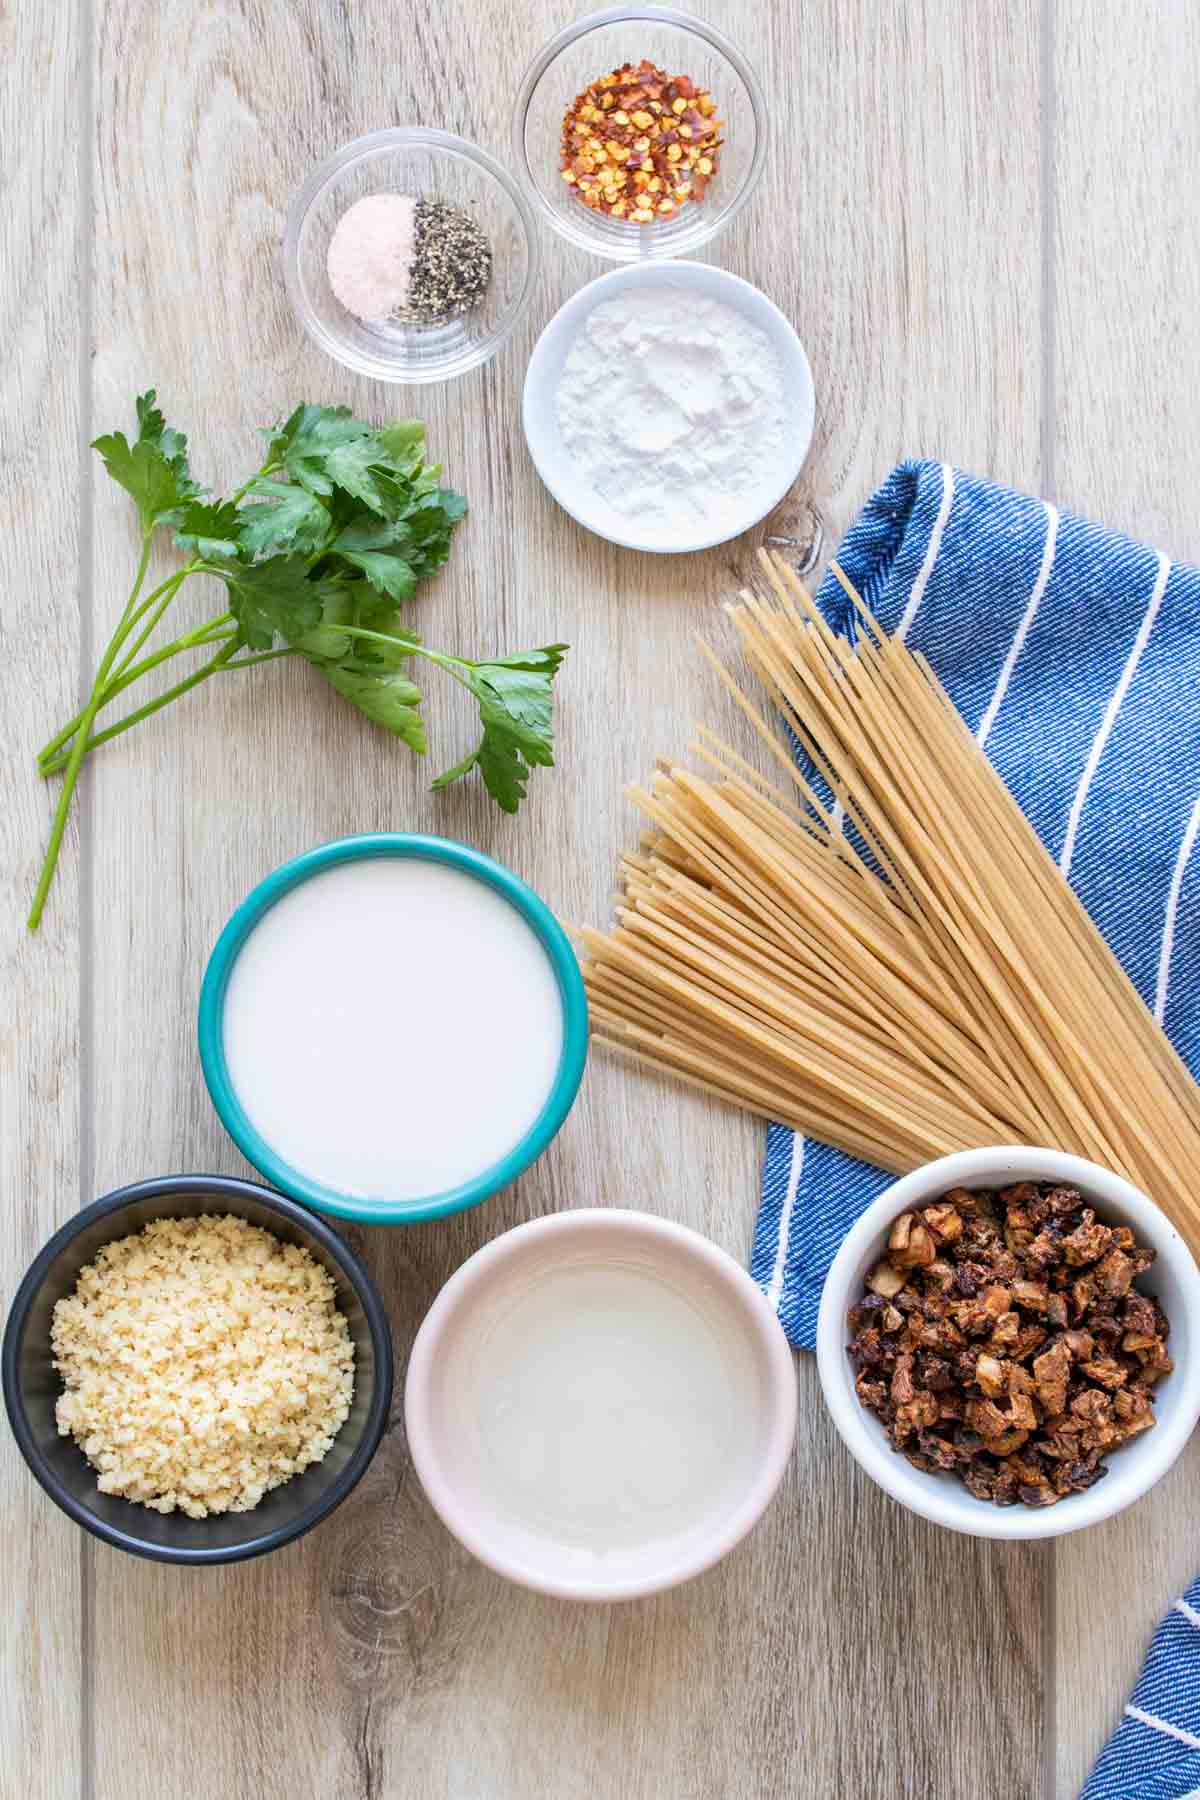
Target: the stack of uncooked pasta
pixel 901 972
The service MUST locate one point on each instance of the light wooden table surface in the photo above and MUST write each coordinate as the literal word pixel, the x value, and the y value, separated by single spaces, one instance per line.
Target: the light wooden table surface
pixel 982 220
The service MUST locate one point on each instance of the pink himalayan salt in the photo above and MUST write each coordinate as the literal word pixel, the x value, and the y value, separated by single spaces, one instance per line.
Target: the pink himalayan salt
pixel 370 256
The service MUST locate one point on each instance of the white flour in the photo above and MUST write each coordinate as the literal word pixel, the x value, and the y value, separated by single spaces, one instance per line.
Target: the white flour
pixel 671 406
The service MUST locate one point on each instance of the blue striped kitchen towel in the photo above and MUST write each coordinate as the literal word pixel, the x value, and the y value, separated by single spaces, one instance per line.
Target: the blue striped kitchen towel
pixel 1155 1752
pixel 1074 656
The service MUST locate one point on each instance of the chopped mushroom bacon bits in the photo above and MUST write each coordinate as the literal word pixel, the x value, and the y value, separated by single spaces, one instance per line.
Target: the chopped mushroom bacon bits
pixel 1003 1341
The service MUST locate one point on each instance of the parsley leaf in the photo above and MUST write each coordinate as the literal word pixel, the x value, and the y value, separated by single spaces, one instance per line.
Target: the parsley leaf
pixel 154 468
pixel 356 603
pixel 371 678
pixel 324 642
pixel 355 468
pixel 431 519
pixel 151 424
pixel 171 445
pixel 287 517
pixel 303 443
pixel 143 472
pixel 324 448
pixel 404 441
pixel 209 528
pixel 549 658
pixel 388 698
pixel 375 546
pixel 274 598
pixel 516 705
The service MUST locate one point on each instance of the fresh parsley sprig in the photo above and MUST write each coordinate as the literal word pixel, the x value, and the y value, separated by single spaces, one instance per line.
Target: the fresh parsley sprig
pixel 318 550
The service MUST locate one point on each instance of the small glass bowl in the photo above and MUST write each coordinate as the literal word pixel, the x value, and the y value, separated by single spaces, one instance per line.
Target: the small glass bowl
pixel 411 160
pixel 681 45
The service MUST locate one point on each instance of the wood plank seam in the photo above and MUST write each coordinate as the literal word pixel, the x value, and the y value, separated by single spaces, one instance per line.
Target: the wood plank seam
pixel 87 637
pixel 1048 198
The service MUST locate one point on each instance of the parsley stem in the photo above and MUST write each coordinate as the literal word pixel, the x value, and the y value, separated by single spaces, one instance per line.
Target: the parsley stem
pixel 222 660
pixel 71 772
pixel 251 662
pixel 268 468
pixel 163 595
pixel 409 646
pixel 49 760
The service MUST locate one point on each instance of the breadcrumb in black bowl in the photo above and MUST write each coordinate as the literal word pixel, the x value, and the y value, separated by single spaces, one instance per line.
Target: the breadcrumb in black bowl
pixel 32 1386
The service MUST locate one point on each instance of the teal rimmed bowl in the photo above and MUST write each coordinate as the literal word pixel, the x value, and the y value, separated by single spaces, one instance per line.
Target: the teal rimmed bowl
pixel 559 1100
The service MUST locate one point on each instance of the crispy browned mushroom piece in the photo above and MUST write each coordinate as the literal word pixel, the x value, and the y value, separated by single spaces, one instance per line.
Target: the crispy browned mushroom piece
pixel 1002 1340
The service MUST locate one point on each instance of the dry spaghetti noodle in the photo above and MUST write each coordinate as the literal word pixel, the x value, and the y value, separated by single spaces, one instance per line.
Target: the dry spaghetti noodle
pixel 927 982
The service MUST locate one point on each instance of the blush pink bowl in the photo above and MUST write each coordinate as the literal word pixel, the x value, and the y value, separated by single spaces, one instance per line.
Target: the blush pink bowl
pixel 435 1417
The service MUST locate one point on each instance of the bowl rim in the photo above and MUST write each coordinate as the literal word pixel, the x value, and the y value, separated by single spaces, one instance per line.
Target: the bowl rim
pixel 576 232
pixel 382 368
pixel 780 1409
pixel 536 914
pixel 228 1189
pixel 641 274
pixel 1156 1451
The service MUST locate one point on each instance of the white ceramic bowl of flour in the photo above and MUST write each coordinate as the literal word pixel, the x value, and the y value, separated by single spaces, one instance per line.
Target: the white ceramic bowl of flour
pixel 668 407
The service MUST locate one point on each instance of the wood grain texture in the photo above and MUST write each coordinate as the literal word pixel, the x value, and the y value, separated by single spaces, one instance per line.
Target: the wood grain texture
pixel 1127 326
pixel 375 1658
pixel 845 1649
pixel 41 1636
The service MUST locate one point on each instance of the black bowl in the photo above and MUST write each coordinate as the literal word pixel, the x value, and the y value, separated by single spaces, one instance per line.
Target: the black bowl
pixel 31 1385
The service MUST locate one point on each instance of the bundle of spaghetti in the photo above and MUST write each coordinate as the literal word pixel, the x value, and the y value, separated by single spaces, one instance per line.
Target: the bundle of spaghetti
pixel 886 959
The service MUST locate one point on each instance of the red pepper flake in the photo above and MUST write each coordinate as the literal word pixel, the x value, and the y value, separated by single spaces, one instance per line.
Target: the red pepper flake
pixel 639 144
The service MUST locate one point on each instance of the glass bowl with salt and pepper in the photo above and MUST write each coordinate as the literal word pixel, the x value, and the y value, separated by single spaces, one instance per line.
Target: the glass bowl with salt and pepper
pixel 410 255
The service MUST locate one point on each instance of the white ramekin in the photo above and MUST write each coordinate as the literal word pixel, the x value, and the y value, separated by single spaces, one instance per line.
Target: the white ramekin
pixel 687 1260
pixel 1134 1468
pixel 557 467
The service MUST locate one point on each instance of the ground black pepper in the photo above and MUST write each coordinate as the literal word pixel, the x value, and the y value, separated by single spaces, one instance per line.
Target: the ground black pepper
pixel 451 266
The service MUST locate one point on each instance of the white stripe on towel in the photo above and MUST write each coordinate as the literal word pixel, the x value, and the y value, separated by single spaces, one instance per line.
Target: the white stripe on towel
pixel 1189 1613
pixel 1111 711
pixel 931 555
pixel 1164 966
pixel 775 1285
pixel 1022 631
pixel 837 817
pixel 1168 1730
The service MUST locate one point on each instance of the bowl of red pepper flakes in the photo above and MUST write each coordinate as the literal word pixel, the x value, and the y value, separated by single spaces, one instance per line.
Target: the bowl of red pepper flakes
pixel 639 144
pixel 641 132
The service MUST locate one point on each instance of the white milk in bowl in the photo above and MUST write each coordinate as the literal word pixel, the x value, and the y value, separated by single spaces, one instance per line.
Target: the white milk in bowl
pixel 392 1027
